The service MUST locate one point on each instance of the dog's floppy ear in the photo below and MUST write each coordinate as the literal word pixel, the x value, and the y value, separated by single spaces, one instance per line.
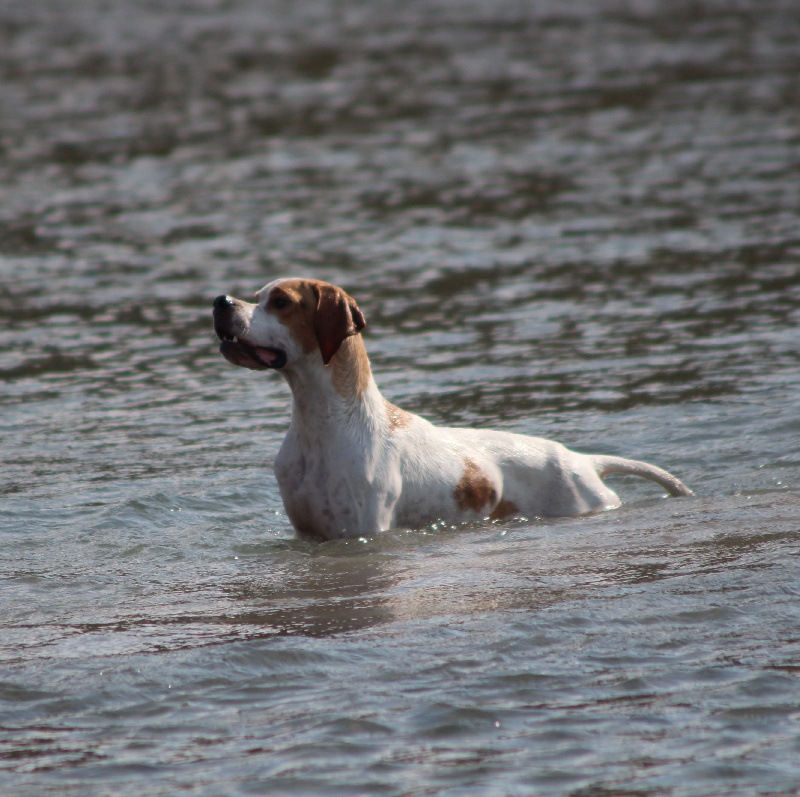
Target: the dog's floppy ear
pixel 337 317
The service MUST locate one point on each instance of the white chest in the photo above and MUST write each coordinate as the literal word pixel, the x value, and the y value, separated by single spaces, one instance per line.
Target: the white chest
pixel 327 490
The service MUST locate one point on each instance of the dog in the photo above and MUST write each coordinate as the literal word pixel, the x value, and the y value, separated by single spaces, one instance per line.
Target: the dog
pixel 353 464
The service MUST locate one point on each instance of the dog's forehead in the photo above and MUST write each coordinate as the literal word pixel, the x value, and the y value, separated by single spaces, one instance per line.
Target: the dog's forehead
pixel 294 286
pixel 263 293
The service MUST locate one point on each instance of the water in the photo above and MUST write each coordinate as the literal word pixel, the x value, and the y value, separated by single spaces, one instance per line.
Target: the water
pixel 579 222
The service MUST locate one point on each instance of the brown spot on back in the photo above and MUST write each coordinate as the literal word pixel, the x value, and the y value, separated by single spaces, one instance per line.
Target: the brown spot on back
pixel 398 419
pixel 504 509
pixel 475 490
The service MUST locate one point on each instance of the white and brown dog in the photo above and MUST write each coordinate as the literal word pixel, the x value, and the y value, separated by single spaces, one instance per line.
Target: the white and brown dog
pixel 352 464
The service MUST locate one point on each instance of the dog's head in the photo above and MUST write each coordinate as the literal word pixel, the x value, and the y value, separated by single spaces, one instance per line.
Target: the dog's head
pixel 294 318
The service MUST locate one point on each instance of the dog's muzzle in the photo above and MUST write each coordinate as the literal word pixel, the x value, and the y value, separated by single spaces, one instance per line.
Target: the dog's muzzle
pixel 229 326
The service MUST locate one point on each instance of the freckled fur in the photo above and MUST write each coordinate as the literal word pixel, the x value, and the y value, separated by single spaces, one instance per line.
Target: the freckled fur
pixel 353 464
pixel 398 419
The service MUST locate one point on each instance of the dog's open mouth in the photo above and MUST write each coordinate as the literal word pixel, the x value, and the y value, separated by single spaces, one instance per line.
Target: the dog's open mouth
pixel 256 357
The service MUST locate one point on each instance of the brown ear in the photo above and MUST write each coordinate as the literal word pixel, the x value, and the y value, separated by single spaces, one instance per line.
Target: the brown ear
pixel 337 318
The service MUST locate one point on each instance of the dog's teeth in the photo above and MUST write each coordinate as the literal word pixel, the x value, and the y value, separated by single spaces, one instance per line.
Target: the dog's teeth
pixel 235 339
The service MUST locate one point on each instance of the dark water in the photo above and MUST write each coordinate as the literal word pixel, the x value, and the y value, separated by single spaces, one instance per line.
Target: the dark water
pixel 574 220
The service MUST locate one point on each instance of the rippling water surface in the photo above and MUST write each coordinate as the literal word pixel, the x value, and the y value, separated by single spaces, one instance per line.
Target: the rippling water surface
pixel 574 220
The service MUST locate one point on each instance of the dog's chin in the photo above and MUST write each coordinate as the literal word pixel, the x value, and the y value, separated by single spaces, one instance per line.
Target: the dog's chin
pixel 257 358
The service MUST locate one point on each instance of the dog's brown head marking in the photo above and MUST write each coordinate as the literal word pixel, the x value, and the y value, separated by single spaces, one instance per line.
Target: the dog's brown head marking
pixel 475 490
pixel 337 318
pixel 319 315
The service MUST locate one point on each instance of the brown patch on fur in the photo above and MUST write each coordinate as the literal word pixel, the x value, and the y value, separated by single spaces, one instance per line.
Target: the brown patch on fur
pixel 350 371
pixel 475 490
pixel 298 314
pixel 398 419
pixel 504 509
pixel 337 318
pixel 318 314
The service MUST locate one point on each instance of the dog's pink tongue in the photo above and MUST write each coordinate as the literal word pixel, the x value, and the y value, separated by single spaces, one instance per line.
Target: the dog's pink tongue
pixel 266 356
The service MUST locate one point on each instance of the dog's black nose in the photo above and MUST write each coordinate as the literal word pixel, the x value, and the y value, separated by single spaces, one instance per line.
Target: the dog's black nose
pixel 221 302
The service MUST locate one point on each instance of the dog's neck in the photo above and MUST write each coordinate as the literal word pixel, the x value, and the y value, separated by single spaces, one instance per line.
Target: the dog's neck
pixel 323 395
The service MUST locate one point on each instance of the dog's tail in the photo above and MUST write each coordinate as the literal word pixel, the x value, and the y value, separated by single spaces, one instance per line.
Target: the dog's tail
pixel 607 465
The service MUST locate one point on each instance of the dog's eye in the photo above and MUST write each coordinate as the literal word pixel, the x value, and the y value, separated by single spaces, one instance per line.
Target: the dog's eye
pixel 279 302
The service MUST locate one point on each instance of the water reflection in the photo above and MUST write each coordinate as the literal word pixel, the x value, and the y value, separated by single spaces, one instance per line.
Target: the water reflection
pixel 316 593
